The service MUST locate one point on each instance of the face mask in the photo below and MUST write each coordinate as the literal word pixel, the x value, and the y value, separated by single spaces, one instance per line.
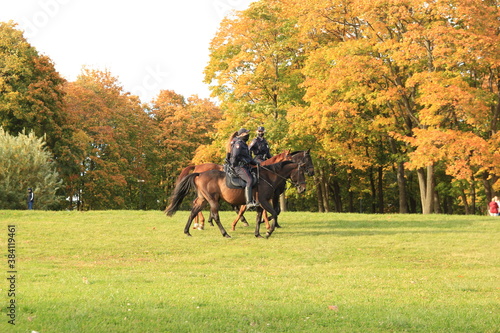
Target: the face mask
pixel 245 137
pixel 260 134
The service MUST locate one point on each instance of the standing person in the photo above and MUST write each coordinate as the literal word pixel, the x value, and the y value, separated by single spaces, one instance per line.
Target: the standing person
pixel 31 198
pixel 241 160
pixel 259 146
pixel 493 206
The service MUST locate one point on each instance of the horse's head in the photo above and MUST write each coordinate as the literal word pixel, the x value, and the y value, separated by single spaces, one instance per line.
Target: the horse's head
pixel 298 178
pixel 304 157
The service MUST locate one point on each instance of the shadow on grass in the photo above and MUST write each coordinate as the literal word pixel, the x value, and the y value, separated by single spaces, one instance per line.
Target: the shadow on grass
pixel 343 227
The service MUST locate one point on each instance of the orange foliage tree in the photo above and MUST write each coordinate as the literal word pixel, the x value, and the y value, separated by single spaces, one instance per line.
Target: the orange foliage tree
pixel 115 147
pixel 183 127
pixel 387 70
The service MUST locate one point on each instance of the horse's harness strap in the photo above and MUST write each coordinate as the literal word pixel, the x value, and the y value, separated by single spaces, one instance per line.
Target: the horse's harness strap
pixel 280 176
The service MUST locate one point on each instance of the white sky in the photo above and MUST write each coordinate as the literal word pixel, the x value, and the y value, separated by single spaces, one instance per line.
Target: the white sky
pixel 149 45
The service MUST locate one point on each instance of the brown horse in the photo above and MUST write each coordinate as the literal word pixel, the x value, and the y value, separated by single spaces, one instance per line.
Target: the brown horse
pixel 200 219
pixel 211 188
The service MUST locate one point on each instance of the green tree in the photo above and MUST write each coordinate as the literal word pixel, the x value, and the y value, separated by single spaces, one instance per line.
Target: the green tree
pixel 25 163
pixel 31 91
pixel 254 69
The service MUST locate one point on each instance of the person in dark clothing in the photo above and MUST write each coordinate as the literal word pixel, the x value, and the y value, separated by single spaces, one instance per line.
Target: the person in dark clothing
pixel 241 160
pixel 31 198
pixel 259 146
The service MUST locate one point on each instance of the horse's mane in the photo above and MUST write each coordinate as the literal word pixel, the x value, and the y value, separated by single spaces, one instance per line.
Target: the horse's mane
pixel 297 152
pixel 276 167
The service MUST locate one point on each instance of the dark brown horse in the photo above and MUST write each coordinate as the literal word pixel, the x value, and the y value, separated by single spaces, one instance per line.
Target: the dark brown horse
pixel 200 219
pixel 211 188
pixel 301 156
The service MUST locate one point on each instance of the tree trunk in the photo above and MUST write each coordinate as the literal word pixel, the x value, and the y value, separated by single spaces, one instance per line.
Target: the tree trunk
pixel 324 190
pixel 381 190
pixel 401 179
pixel 465 201
pixel 373 208
pixel 350 195
pixel 426 185
pixel 319 192
pixel 400 174
pixel 283 202
pixel 473 195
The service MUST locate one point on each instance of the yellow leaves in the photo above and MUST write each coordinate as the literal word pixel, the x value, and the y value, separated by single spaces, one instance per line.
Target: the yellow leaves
pixel 444 95
pixel 463 152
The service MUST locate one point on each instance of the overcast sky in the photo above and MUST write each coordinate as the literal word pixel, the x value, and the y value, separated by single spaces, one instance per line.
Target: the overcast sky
pixel 149 45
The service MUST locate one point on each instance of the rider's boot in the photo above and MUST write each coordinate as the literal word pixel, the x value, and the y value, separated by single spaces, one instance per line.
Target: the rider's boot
pixel 249 198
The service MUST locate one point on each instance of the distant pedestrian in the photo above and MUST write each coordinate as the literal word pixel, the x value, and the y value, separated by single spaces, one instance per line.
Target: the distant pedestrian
pixel 31 198
pixel 493 206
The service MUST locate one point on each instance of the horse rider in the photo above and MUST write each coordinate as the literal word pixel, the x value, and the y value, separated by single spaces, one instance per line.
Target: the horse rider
pixel 259 146
pixel 241 160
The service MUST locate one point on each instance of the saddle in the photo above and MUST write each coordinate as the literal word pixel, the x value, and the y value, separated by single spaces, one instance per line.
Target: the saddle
pixel 234 181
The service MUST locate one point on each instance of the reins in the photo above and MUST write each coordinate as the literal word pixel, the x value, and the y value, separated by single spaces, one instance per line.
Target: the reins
pixel 280 176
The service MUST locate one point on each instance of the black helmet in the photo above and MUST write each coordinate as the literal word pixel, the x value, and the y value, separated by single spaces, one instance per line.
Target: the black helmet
pixel 243 131
pixel 261 129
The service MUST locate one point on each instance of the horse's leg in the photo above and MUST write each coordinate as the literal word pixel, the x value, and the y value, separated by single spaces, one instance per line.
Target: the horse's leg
pixel 267 206
pixel 214 210
pixel 243 208
pixel 266 220
pixel 201 218
pixel 257 222
pixel 241 216
pixel 210 220
pixel 197 206
pixel 196 219
pixel 277 208
pixel 262 218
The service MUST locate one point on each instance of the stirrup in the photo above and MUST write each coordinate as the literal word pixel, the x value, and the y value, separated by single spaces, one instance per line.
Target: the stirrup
pixel 252 204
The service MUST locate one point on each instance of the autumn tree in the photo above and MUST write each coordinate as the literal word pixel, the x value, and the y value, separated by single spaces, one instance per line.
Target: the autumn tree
pixel 388 69
pixel 254 70
pixel 184 127
pixel 115 145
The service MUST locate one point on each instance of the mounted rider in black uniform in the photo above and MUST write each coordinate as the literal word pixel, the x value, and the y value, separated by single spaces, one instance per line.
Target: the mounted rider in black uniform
pixel 241 160
pixel 259 146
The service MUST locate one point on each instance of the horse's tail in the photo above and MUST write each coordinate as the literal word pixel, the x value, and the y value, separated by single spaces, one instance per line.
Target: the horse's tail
pixel 184 173
pixel 181 190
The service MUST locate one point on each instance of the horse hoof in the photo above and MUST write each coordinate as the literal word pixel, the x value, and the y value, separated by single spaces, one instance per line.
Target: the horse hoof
pixel 227 236
pixel 259 236
pixel 188 234
pixel 245 224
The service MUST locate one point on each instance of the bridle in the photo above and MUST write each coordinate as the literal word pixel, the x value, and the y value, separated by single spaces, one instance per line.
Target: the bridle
pixel 286 179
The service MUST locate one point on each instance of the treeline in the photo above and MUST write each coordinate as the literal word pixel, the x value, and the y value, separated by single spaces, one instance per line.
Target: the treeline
pixel 111 150
pixel 398 101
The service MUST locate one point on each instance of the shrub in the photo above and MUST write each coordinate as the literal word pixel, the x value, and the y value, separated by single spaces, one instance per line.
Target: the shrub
pixel 25 163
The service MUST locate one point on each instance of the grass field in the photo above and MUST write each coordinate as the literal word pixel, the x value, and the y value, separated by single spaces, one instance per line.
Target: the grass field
pixel 134 271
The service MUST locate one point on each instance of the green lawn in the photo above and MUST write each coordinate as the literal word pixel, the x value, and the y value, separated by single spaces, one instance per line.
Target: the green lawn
pixel 134 271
